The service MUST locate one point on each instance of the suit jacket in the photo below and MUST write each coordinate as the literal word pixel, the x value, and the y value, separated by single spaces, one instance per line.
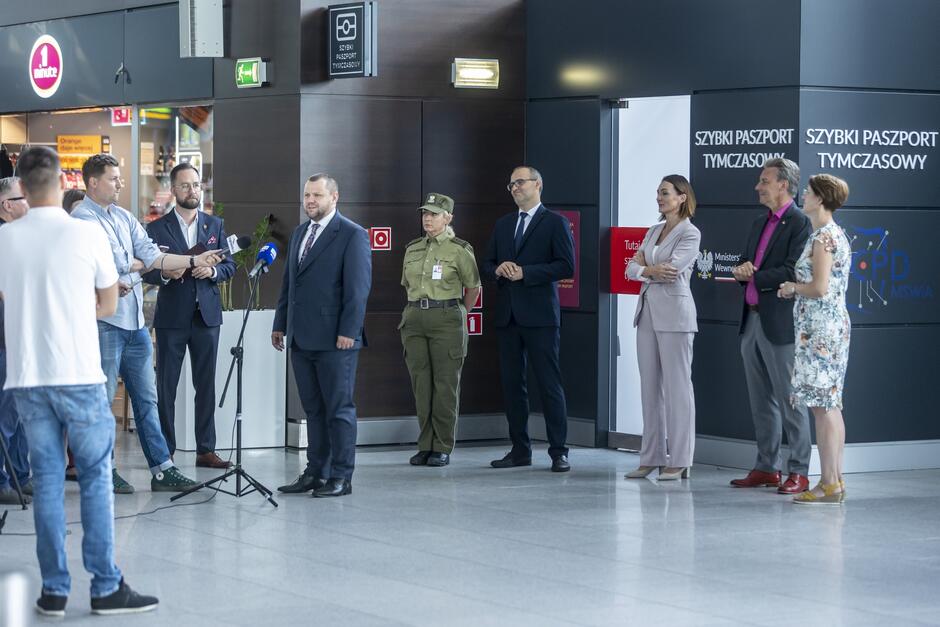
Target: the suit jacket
pixel 326 296
pixel 783 251
pixel 672 302
pixel 546 256
pixel 176 301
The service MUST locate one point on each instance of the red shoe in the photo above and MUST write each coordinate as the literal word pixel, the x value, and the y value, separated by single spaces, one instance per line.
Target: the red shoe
pixel 758 479
pixel 794 484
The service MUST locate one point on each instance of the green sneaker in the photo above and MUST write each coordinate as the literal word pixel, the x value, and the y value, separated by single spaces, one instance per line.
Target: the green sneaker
pixel 171 480
pixel 120 486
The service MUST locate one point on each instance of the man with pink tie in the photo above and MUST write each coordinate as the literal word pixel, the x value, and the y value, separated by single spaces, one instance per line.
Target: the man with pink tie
pixel 775 242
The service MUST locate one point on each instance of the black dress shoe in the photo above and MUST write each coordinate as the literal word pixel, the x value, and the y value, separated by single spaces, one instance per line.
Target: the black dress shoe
pixel 334 487
pixel 438 459
pixel 304 483
pixel 420 458
pixel 560 464
pixel 509 461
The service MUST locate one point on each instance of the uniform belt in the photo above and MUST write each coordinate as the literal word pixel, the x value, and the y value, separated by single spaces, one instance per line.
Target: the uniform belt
pixel 754 308
pixel 429 303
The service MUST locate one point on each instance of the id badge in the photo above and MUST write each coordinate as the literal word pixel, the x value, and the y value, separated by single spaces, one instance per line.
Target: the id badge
pixel 437 272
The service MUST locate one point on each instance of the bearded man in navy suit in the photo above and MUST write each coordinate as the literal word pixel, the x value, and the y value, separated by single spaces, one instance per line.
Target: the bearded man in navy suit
pixel 320 316
pixel 529 252
pixel 189 312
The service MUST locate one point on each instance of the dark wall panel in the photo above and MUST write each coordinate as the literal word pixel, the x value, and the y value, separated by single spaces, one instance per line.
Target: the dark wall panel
pixel 634 48
pixel 417 42
pixel 158 73
pixel 372 147
pixel 885 145
pixel 38 10
pixel 579 363
pixel 261 28
pixel 256 150
pixel 562 141
pixel 871 44
pixel 884 402
pixel 733 133
pixel 469 148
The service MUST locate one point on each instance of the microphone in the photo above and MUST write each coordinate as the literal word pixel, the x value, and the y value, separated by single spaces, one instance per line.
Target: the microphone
pixel 266 257
pixel 236 243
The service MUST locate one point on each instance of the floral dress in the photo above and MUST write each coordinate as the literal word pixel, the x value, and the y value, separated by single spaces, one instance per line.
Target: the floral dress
pixel 822 325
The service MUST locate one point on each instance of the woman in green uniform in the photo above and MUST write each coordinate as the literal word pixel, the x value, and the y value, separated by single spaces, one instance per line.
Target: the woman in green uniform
pixel 437 269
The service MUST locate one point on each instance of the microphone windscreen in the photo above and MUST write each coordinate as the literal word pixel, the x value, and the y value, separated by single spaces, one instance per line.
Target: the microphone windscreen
pixel 244 241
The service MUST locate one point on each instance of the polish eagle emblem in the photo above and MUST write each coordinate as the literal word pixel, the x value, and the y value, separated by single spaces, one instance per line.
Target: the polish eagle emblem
pixel 705 262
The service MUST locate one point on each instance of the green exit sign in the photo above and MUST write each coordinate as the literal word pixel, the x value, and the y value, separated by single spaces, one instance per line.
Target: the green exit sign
pixel 250 72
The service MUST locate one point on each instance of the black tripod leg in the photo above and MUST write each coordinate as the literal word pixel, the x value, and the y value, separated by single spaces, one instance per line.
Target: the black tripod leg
pixel 13 478
pixel 204 484
pixel 259 487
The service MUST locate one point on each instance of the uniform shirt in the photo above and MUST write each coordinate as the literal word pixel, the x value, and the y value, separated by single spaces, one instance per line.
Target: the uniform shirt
pixel 53 339
pixel 127 240
pixel 458 267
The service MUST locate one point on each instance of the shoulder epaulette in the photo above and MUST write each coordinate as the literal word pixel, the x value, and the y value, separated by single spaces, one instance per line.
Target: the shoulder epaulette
pixel 464 243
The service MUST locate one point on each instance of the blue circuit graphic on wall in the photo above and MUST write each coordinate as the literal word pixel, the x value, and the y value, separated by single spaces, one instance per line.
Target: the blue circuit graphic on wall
pixel 881 271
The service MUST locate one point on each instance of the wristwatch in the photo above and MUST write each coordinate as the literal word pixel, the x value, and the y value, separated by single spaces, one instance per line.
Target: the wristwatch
pixel 192 261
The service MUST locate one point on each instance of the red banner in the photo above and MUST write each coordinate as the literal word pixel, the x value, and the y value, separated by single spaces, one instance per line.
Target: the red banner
pixel 624 242
pixel 569 290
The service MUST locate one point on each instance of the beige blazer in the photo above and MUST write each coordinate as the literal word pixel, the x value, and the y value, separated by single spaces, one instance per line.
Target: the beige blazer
pixel 672 306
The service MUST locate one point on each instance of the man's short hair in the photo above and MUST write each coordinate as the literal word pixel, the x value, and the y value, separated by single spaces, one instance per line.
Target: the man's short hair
pixel 533 173
pixel 331 185
pixel 39 169
pixel 95 166
pixel 6 184
pixel 787 171
pixel 179 168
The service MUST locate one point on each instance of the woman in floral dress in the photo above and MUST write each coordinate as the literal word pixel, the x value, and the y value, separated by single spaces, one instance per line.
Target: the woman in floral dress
pixel 822 326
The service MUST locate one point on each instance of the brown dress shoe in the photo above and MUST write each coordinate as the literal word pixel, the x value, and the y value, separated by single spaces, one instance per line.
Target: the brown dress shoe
pixel 794 484
pixel 211 460
pixel 758 479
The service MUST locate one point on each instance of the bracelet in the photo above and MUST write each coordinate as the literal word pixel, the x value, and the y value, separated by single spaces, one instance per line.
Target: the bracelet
pixel 192 261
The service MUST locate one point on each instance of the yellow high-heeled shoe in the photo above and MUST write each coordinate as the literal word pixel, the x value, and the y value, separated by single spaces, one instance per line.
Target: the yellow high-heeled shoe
pixel 832 495
pixel 641 473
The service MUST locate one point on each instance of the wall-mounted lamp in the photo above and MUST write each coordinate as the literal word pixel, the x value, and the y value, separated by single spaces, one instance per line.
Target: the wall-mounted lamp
pixel 480 73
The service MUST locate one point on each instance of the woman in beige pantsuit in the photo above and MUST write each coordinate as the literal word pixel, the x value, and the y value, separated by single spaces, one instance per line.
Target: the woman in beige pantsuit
pixel 665 328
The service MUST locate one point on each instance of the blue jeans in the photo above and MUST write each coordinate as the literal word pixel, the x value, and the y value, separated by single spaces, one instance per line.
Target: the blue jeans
pixel 131 354
pixel 11 430
pixel 81 412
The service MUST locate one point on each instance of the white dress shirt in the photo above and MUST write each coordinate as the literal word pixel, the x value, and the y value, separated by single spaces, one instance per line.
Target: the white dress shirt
pixel 323 222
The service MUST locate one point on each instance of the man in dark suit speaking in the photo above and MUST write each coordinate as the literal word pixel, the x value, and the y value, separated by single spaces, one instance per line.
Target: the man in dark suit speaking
pixel 529 252
pixel 327 278
pixel 189 312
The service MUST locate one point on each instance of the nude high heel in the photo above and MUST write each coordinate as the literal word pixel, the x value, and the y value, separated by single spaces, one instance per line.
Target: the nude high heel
pixel 679 473
pixel 642 472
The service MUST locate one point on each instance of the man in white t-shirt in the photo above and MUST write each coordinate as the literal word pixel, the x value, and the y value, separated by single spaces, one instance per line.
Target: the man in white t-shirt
pixel 57 276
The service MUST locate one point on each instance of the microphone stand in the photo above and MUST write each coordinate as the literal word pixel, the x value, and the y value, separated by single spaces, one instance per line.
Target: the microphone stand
pixel 14 480
pixel 238 356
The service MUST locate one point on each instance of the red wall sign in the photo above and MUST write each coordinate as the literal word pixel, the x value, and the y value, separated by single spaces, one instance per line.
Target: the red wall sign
pixel 475 323
pixel 479 302
pixel 120 116
pixel 381 237
pixel 569 290
pixel 624 242
pixel 45 66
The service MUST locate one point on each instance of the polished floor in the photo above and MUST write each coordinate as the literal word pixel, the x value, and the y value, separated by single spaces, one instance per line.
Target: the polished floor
pixel 469 545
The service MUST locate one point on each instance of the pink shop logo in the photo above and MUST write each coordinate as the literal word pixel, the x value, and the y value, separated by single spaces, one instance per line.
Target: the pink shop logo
pixel 45 66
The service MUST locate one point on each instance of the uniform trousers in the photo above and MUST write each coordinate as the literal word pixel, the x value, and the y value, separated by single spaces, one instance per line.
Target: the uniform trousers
pixel 435 345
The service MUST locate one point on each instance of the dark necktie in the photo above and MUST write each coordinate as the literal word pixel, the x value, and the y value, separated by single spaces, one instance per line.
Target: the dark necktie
pixel 309 244
pixel 520 230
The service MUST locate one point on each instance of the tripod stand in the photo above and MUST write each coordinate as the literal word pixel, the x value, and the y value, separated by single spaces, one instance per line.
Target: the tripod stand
pixel 238 356
pixel 13 479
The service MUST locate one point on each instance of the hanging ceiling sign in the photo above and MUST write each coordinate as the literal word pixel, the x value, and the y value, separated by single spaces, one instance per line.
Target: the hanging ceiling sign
pixel 353 40
pixel 45 66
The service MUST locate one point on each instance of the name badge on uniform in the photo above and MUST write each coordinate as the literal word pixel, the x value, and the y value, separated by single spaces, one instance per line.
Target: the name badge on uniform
pixel 437 272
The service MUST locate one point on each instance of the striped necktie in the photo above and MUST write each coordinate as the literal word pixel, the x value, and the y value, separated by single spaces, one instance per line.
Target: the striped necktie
pixel 309 244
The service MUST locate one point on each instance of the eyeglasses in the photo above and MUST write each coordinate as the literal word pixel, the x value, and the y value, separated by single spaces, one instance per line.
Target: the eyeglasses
pixel 518 183
pixel 15 198
pixel 185 187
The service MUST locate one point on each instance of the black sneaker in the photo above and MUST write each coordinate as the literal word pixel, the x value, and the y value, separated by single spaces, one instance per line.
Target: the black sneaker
pixel 123 601
pixel 51 604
